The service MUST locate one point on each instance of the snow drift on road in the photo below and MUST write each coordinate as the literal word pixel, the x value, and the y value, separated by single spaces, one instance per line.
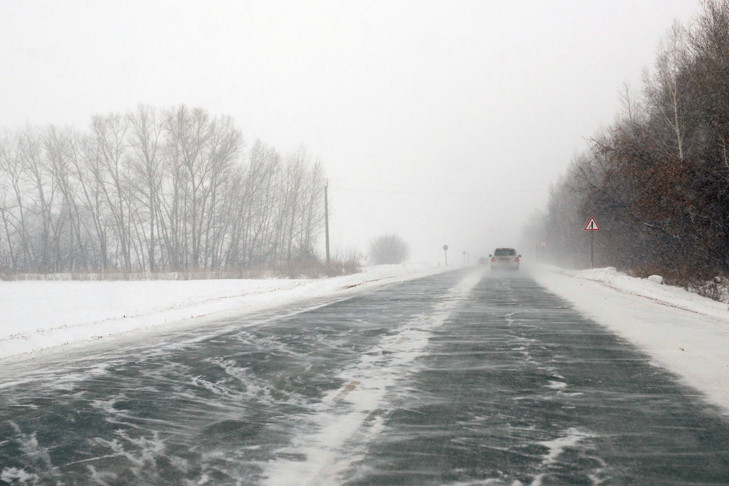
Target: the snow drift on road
pixel 683 332
pixel 37 315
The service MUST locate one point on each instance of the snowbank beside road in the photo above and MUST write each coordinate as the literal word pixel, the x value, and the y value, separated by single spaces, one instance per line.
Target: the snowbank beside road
pixel 36 315
pixel 684 332
pixel 651 288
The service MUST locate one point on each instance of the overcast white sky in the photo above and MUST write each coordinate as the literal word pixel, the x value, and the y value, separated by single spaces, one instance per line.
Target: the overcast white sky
pixel 442 121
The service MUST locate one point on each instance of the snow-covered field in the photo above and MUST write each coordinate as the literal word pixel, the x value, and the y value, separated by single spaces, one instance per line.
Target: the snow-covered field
pixel 683 332
pixel 37 315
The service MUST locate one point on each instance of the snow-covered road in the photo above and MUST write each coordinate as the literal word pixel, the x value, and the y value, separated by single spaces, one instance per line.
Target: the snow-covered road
pixel 466 377
pixel 38 315
pixel 683 332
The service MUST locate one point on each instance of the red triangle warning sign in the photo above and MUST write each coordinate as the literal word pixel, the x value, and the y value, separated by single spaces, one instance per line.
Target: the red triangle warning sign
pixel 592 225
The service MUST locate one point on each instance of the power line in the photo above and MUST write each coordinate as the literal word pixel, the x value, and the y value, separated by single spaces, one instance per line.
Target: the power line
pixel 427 193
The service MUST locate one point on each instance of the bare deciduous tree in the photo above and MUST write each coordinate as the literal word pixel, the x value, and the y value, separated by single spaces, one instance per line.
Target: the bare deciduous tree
pixel 657 179
pixel 152 191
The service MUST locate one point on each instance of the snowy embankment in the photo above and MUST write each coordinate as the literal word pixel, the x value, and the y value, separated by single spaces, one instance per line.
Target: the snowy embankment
pixel 37 315
pixel 683 332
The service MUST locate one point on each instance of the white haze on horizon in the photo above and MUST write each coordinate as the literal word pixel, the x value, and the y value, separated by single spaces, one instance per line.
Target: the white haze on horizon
pixel 443 122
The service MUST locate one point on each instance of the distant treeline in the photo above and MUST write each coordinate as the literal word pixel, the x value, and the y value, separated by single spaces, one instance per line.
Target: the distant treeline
pixel 154 191
pixel 657 180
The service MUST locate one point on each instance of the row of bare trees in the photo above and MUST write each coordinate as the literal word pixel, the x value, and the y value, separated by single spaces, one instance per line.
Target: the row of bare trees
pixel 657 180
pixel 154 190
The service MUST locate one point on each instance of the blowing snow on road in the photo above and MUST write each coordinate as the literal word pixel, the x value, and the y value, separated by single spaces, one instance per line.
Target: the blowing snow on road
pixel 459 377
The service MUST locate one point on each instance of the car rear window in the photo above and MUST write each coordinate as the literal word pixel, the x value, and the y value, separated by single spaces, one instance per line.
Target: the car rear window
pixel 505 252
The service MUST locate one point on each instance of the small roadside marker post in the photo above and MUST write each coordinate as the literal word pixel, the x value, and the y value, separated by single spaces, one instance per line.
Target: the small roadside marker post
pixel 445 250
pixel 592 227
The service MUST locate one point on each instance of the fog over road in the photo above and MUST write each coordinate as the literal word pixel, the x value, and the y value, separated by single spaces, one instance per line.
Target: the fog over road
pixel 462 378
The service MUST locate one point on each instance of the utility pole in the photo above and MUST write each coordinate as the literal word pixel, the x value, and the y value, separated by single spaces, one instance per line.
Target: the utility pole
pixel 326 218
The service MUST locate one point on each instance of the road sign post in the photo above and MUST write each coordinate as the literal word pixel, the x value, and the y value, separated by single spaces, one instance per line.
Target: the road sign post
pixel 592 227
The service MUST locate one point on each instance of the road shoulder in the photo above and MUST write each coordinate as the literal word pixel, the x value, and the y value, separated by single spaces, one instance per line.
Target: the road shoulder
pixel 692 344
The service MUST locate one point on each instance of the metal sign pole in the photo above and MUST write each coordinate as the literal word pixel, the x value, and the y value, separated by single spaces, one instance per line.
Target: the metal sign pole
pixel 592 249
pixel 592 227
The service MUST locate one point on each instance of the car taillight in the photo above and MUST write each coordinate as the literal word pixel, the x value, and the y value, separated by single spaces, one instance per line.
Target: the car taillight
pixel 516 260
pixel 493 259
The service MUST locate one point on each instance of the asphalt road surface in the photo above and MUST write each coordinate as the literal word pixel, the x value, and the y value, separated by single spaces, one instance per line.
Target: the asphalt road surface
pixel 463 378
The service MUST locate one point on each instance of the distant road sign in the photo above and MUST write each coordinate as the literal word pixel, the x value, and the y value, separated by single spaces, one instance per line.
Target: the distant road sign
pixel 592 225
pixel 445 247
